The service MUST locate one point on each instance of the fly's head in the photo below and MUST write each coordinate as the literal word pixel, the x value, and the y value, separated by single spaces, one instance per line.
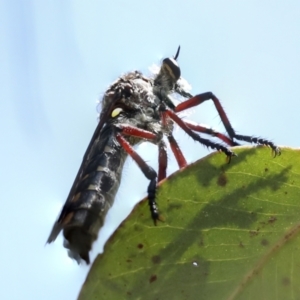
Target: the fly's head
pixel 168 81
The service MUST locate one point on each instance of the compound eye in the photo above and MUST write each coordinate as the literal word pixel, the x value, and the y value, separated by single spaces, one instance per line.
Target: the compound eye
pixel 172 66
pixel 116 112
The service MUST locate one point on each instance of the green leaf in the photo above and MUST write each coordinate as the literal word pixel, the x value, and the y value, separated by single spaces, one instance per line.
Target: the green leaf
pixel 231 231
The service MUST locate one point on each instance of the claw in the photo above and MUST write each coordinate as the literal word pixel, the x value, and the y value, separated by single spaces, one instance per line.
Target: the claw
pixel 228 157
pixel 276 152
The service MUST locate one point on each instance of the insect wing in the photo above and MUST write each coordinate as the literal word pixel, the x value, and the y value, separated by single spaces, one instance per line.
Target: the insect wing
pixel 58 225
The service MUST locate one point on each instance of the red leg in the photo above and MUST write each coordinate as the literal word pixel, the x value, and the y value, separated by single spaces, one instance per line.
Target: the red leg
pixel 162 161
pixel 177 152
pixel 137 132
pixel 212 132
pixel 196 137
pixel 148 172
pixel 198 99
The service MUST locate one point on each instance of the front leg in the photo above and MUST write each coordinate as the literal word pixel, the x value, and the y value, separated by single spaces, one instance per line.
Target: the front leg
pixel 196 137
pixel 198 99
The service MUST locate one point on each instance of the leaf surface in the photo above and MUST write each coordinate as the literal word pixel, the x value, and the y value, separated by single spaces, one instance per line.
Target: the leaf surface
pixel 231 231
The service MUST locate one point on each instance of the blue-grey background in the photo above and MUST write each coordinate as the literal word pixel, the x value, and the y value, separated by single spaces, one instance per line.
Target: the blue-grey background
pixel 57 57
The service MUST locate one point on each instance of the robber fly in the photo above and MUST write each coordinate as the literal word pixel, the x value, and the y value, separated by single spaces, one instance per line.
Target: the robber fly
pixel 135 109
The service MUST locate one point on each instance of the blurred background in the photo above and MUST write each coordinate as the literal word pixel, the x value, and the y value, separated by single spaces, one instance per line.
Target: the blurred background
pixel 57 59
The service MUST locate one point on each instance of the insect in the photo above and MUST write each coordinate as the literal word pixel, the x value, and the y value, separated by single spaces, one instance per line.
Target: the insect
pixel 135 109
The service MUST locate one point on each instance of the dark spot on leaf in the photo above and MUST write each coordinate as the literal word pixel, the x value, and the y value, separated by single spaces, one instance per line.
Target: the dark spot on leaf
pixel 272 219
pixel 288 235
pixel 201 243
pixel 156 259
pixel 286 281
pixel 241 245
pixel 152 278
pixel 129 293
pixel 222 180
pixel 263 224
pixel 266 169
pixel 174 206
pixel 129 260
pixel 253 233
pixel 264 242
pixel 140 246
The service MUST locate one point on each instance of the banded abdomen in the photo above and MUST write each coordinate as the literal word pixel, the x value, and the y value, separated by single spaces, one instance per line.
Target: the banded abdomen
pixel 84 212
